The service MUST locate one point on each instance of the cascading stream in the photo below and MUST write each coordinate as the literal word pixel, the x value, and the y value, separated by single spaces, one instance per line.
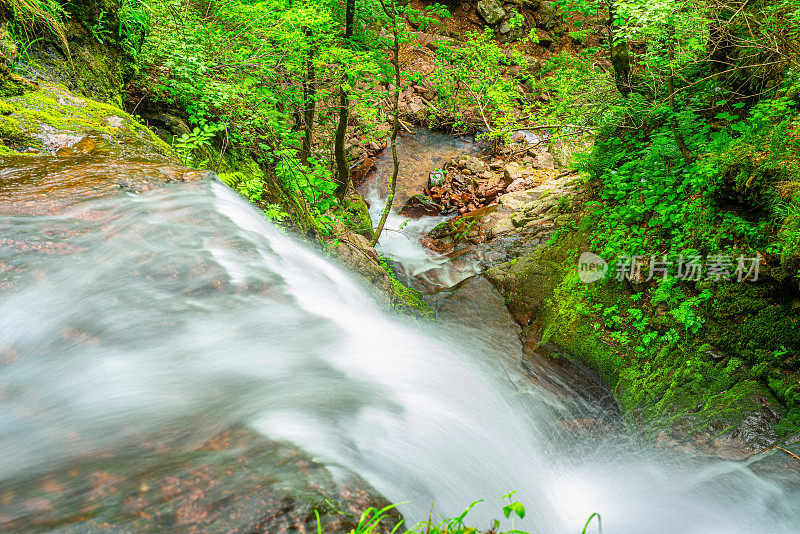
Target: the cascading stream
pixel 182 311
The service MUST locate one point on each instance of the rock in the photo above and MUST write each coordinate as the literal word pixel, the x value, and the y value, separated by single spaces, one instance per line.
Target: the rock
pixel 419 206
pixel 516 185
pixel 544 160
pixel 236 481
pixel 362 169
pixel 512 171
pixel 518 199
pixel 359 220
pixel 527 284
pixel 545 39
pixel 504 28
pixel 491 11
pixel 502 227
pixel 415 106
pixel 49 119
pixel 475 165
pixel 436 179
pixel 476 304
pixel 520 218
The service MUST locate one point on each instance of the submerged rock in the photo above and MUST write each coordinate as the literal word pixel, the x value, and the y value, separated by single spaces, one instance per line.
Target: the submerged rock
pixel 236 481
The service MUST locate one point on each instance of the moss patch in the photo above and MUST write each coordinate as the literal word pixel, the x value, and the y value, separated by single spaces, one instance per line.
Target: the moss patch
pixel 740 360
pixel 52 118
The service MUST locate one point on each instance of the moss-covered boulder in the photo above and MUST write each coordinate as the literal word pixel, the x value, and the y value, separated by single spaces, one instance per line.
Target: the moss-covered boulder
pixel 357 215
pixel 51 119
pixel 725 384
pixel 88 51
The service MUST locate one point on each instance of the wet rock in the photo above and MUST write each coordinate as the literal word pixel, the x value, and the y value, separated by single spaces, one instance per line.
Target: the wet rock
pixel 361 169
pixel 519 199
pixel 51 118
pixel 236 481
pixel 527 283
pixel 419 206
pixel 477 305
pixel 491 11
pixel 436 179
pixel 516 185
pixel 502 227
pixel 781 463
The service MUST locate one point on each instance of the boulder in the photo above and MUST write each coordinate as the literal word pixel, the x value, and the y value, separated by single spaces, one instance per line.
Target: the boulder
pixel 475 165
pixel 419 206
pixel 513 171
pixel 491 11
pixel 544 160
pixel 516 185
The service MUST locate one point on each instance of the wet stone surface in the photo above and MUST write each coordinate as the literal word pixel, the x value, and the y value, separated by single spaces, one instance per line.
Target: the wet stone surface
pixel 237 481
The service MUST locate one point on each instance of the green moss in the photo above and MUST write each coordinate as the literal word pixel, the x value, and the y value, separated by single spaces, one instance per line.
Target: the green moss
pixel 29 120
pixel 754 321
pixel 674 380
pixel 356 215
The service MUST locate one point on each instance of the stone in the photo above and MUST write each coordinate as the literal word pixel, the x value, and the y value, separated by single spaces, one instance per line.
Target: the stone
pixel 516 185
pixel 544 160
pixel 504 28
pixel 415 106
pixel 419 206
pixel 518 199
pixel 475 165
pixel 436 179
pixel 512 171
pixel 502 227
pixel 491 11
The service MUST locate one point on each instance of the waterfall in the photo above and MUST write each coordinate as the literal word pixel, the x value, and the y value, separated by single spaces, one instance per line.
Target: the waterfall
pixel 182 311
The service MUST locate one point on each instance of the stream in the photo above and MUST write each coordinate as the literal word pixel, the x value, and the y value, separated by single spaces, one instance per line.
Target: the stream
pixel 136 327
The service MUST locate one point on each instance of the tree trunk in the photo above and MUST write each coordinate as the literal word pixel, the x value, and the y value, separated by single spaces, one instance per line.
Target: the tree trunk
pixel 339 152
pixel 309 98
pixel 350 10
pixel 395 125
pixel 620 56
pixel 683 148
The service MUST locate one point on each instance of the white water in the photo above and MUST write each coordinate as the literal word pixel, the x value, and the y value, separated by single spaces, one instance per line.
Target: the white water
pixel 400 241
pixel 186 310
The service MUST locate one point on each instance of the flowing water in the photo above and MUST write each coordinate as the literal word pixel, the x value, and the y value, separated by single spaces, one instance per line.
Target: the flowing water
pixel 182 311
pixel 420 153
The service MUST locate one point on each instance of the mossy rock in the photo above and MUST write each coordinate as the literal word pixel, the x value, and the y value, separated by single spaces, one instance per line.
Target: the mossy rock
pixel 51 119
pixel 754 321
pixel 93 63
pixel 357 215
pixel 677 387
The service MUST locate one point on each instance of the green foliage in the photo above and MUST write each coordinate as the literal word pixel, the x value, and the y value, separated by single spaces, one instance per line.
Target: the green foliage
pixel 245 64
pixel 471 74
pixel 134 27
pixel 198 138
pixel 406 296
pixel 32 19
